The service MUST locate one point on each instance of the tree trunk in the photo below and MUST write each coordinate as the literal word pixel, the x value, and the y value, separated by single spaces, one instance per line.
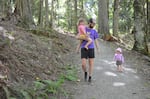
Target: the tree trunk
pixel 116 18
pixel 23 9
pixel 46 14
pixel 103 26
pixel 148 25
pixel 81 12
pixel 58 7
pixel 52 13
pixel 69 15
pixel 139 26
pixel 76 10
pixel 30 14
pixel 40 18
pixel 148 20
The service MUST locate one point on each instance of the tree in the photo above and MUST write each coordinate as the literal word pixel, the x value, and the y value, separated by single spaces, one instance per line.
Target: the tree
pixel 139 27
pixel 126 16
pixel 148 20
pixel 23 9
pixel 76 14
pixel 115 18
pixel 52 13
pixel 46 14
pixel 148 25
pixel 40 17
pixel 103 26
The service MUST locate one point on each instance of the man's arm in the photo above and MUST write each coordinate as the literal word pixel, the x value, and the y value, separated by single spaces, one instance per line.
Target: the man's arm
pixel 97 45
pixel 78 47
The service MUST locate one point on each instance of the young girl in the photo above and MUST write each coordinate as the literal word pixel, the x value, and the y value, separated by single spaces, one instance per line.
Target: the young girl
pixel 119 58
pixel 82 35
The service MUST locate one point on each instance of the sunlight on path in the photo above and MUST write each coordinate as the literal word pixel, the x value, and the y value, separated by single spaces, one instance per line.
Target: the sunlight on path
pixel 110 74
pixel 98 68
pixel 109 62
pixel 130 70
pixel 117 84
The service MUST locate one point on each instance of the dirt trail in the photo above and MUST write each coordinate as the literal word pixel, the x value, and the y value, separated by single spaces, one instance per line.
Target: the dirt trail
pixel 110 84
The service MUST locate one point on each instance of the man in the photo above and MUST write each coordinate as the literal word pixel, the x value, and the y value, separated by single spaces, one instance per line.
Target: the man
pixel 90 53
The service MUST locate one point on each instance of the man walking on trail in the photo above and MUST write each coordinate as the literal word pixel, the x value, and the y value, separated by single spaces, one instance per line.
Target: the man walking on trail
pixel 90 53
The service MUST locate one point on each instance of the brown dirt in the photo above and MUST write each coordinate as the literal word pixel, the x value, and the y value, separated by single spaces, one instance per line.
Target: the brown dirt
pixel 30 57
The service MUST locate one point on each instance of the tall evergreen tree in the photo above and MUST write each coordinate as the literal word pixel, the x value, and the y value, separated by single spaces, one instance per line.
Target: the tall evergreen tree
pixel 103 26
pixel 116 17
pixel 139 26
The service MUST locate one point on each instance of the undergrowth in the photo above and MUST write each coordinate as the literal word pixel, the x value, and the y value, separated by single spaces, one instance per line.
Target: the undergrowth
pixel 46 89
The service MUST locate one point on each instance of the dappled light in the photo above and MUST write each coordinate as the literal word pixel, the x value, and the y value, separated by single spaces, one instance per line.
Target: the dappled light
pixel 109 62
pixel 129 70
pixel 110 74
pixel 98 68
pixel 136 77
pixel 118 84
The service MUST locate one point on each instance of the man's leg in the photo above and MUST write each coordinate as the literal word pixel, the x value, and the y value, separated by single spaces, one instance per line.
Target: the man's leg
pixel 84 67
pixel 91 65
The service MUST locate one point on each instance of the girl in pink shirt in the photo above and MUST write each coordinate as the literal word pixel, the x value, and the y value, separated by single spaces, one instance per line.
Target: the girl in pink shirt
pixel 82 35
pixel 118 57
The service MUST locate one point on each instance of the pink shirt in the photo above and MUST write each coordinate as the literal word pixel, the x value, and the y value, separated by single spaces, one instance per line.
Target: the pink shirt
pixel 81 29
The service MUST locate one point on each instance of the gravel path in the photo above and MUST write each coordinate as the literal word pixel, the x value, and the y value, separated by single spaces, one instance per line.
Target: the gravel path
pixel 108 83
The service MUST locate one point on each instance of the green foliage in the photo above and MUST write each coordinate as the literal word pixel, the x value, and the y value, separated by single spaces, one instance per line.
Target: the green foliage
pixel 71 73
pixel 51 86
pixel 41 89
pixel 126 15
pixel 25 94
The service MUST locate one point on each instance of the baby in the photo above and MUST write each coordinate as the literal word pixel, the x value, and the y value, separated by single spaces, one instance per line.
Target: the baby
pixel 119 58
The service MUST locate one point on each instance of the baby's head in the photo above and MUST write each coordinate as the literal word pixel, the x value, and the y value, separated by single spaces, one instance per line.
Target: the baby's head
pixel 81 21
pixel 119 50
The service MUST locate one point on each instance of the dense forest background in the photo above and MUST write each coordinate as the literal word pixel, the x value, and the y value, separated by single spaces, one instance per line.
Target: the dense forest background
pixel 114 17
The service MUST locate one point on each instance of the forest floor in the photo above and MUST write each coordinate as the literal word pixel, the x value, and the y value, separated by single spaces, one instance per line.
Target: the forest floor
pixel 32 58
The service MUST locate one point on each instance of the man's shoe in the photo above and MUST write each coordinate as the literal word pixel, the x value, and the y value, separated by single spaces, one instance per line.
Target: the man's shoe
pixel 90 79
pixel 85 76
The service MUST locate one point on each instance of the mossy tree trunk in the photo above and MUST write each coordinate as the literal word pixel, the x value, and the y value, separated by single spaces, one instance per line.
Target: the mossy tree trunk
pixel 148 19
pixel 23 9
pixel 139 26
pixel 40 14
pixel 69 14
pixel 103 26
pixel 46 14
pixel 116 18
pixel 148 25
pixel 76 14
pixel 52 13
